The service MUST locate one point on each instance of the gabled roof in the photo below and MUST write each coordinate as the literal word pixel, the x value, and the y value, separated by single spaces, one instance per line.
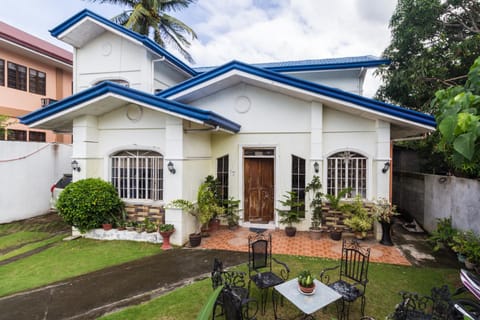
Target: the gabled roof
pixel 127 95
pixel 23 39
pixel 215 77
pixel 80 19
pixel 317 64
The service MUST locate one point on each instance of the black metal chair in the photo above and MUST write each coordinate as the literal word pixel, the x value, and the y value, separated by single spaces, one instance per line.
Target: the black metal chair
pixel 234 299
pixel 353 277
pixel 260 269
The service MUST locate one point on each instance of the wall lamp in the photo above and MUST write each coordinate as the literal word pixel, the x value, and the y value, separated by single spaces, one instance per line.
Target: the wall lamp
pixel 316 167
pixel 75 166
pixel 386 166
pixel 171 168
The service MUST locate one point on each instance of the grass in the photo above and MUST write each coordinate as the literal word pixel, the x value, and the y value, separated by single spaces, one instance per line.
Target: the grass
pixel 386 281
pixel 31 246
pixel 69 259
pixel 20 238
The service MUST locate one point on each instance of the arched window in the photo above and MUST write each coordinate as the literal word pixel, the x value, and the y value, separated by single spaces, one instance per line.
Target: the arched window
pixel 138 174
pixel 347 169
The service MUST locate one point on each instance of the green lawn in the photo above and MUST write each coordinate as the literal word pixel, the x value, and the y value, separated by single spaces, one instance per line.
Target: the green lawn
pixel 382 291
pixel 69 259
pixel 21 238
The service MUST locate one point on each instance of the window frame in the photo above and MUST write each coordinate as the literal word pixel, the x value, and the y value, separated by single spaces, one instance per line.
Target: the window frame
pixel 222 177
pixel 349 170
pixel 37 136
pixel 38 83
pixel 144 179
pixel 20 82
pixel 2 72
pixel 298 179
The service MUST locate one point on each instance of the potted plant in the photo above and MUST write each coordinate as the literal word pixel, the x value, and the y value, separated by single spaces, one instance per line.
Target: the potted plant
pixel 314 188
pixel 442 236
pixel 150 226
pixel 334 201
pixel 203 210
pixel 471 248
pixel 384 211
pixel 213 186
pixel 231 212
pixel 306 282
pixel 166 231
pixel 290 216
pixel 359 220
pixel 130 225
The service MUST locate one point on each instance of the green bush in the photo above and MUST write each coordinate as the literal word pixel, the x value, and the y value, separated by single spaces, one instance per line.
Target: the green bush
pixel 88 203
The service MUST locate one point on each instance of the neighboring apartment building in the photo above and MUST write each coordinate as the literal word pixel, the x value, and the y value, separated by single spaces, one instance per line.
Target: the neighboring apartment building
pixel 33 73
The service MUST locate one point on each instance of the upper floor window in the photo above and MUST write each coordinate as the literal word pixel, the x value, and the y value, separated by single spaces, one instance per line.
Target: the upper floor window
pixel 138 174
pixel 222 177
pixel 16 135
pixel 2 72
pixel 17 76
pixel 298 182
pixel 347 170
pixel 37 81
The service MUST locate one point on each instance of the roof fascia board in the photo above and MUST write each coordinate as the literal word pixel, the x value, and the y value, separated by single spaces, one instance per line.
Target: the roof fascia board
pixel 334 66
pixel 135 96
pixel 39 53
pixel 306 87
pixel 71 23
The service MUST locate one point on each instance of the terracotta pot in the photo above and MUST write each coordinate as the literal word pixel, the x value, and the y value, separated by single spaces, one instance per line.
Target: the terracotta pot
pixel 107 226
pixel 307 290
pixel 214 224
pixel 166 239
pixel 195 239
pixel 290 231
pixel 315 234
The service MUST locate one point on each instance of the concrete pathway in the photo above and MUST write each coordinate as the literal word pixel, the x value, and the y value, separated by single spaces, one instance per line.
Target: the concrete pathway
pixel 92 295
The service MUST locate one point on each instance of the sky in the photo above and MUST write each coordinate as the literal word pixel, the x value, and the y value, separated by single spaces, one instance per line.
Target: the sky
pixel 251 31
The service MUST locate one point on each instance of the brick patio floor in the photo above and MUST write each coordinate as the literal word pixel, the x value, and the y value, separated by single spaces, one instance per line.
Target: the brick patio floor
pixel 301 244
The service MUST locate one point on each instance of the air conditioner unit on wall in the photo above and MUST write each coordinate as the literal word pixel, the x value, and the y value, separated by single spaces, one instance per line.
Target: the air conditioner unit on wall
pixel 47 101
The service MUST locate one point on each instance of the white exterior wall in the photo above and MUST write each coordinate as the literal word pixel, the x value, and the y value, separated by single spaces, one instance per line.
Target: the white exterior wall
pixel 347 80
pixel 27 172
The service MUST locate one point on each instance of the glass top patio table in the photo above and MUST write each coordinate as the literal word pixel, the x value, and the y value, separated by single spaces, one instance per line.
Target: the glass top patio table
pixel 308 304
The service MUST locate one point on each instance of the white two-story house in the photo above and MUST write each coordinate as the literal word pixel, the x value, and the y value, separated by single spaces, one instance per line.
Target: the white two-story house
pixel 156 127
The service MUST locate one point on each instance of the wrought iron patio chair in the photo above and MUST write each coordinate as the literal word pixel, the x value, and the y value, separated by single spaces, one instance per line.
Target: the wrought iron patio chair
pixel 353 277
pixel 235 287
pixel 260 270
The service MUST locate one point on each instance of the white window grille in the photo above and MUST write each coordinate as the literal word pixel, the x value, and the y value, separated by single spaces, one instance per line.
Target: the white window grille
pixel 347 169
pixel 138 174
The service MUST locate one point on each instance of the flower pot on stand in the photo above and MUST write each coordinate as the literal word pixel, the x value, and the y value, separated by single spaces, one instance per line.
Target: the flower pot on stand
pixel 386 233
pixel 166 239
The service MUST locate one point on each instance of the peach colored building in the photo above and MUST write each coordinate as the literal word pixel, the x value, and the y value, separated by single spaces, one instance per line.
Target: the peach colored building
pixel 33 73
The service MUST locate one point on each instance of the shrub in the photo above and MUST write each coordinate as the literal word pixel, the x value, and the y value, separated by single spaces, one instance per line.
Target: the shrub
pixel 88 203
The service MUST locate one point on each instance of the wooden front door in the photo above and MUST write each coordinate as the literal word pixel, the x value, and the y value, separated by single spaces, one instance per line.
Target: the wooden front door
pixel 258 189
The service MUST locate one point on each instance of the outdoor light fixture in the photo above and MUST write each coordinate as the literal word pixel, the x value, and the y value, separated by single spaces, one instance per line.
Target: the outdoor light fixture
pixel 75 165
pixel 316 167
pixel 171 168
pixel 386 166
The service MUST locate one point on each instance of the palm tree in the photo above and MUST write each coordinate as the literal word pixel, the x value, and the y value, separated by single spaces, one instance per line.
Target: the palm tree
pixel 149 17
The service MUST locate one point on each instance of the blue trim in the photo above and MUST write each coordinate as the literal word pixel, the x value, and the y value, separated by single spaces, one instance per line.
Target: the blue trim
pixel 368 103
pixel 205 116
pixel 316 65
pixel 147 42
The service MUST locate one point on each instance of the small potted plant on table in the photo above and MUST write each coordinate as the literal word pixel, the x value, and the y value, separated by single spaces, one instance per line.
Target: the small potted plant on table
pixel 290 216
pixel 306 282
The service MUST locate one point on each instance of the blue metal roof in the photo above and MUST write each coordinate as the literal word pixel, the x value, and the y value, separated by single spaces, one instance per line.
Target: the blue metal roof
pixel 374 105
pixel 317 64
pixel 207 117
pixel 147 42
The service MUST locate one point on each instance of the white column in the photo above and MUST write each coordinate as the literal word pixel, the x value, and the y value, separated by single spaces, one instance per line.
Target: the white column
pixel 173 153
pixel 316 137
pixel 382 156
pixel 85 147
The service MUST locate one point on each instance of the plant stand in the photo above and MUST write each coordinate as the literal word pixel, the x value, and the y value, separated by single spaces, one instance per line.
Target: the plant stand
pixel 166 239
pixel 386 234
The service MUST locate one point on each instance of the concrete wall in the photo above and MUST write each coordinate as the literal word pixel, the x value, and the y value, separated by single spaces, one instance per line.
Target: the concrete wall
pixel 428 197
pixel 27 171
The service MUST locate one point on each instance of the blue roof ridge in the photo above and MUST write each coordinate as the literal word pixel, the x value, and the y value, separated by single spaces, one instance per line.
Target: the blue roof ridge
pixel 146 41
pixel 372 104
pixel 206 116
